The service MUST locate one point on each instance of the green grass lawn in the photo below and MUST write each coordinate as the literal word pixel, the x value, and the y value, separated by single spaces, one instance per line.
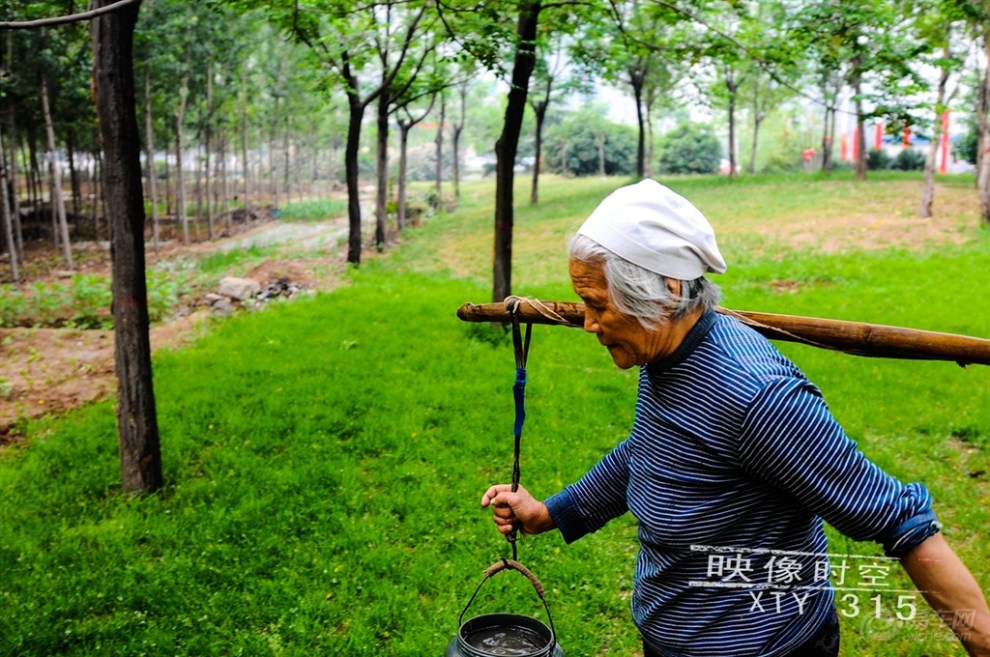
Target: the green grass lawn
pixel 325 457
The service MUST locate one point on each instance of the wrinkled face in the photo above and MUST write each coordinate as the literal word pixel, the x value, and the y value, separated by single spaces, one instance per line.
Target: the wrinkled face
pixel 627 341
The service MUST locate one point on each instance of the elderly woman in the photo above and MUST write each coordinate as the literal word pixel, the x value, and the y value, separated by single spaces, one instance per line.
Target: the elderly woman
pixel 733 460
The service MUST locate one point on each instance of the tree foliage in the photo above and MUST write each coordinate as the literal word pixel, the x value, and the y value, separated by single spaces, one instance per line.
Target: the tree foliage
pixel 690 148
pixel 585 142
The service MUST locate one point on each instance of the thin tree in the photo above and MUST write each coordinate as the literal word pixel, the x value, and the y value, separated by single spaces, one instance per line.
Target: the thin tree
pixel 393 88
pixel 405 125
pixel 12 181
pixel 343 50
pixel 545 74
pixel 149 155
pixel 507 146
pixel 5 219
pixel 180 183
pixel 438 154
pixel 983 125
pixel 944 98
pixel 57 200
pixel 245 163
pixel 207 146
pixel 456 129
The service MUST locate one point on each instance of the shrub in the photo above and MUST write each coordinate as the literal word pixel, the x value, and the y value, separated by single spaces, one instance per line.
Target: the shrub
pixel 909 160
pixel 781 162
pixel 579 138
pixel 690 148
pixel 878 159
pixel 83 303
pixel 317 210
pixel 89 302
pixel 966 147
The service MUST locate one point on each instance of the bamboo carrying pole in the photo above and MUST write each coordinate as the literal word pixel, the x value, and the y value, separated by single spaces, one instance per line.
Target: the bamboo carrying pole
pixel 850 337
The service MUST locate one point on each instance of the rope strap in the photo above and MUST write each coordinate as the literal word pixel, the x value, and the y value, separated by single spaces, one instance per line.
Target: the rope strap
pixel 543 309
pixel 521 347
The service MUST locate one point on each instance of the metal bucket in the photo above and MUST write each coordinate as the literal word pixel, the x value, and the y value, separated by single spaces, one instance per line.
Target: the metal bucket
pixel 505 635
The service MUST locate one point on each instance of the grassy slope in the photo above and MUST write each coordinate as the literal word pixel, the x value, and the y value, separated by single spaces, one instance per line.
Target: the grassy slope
pixel 325 457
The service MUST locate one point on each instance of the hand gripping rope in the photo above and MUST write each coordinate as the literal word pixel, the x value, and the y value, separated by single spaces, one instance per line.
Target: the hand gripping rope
pixel 521 346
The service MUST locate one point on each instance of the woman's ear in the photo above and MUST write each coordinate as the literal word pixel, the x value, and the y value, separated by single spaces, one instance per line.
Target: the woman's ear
pixel 673 286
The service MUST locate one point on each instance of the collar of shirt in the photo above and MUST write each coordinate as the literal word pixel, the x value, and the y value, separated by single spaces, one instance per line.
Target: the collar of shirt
pixel 691 341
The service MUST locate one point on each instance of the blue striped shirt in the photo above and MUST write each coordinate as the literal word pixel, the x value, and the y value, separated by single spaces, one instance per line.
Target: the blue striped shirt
pixel 733 448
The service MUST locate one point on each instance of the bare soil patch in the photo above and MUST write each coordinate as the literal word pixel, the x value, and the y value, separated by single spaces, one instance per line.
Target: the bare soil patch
pixel 48 371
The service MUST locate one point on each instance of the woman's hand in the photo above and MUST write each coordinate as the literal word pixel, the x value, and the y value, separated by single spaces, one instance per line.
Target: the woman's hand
pixel 518 510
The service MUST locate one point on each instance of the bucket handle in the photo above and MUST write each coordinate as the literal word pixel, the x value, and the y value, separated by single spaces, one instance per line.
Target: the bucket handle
pixel 511 564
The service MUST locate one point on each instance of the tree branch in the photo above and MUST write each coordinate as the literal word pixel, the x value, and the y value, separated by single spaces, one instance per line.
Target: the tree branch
pixel 297 29
pixel 759 61
pixel 387 80
pixel 63 20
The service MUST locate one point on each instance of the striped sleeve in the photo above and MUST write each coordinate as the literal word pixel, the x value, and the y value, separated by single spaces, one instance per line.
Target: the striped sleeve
pixel 790 440
pixel 587 505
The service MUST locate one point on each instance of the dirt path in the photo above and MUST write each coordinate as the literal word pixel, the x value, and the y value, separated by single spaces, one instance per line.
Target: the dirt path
pixel 46 371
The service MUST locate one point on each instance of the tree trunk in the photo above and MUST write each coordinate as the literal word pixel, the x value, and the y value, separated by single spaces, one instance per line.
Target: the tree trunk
pixel 983 141
pixel 648 169
pixel 458 129
pixel 73 175
pixel 314 163
pixel 860 142
pixel 149 136
pixel 600 144
pixel 58 202
pixel 540 111
pixel 508 145
pixel 224 182
pixel 928 188
pixel 381 168
pixel 272 174
pixel 180 183
pixel 637 78
pixel 245 166
pixel 828 139
pixel 13 185
pixel 287 172
pixel 137 423
pixel 732 86
pixel 8 229
pixel 332 163
pixel 438 141
pixel 404 128
pixel 857 84
pixel 207 138
pixel 757 120
pixel 98 208
pixel 169 198
pixel 199 187
pixel 34 170
pixel 355 116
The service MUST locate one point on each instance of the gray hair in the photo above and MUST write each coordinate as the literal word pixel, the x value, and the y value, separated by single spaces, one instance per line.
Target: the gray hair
pixel 641 293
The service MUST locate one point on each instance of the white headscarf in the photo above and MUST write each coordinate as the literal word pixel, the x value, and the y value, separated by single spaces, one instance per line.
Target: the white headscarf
pixel 651 226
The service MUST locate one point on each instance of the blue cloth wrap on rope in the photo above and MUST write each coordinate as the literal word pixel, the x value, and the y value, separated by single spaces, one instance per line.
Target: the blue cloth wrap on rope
pixel 519 393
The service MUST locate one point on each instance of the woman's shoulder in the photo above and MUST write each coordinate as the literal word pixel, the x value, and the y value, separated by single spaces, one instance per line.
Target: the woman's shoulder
pixel 742 353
